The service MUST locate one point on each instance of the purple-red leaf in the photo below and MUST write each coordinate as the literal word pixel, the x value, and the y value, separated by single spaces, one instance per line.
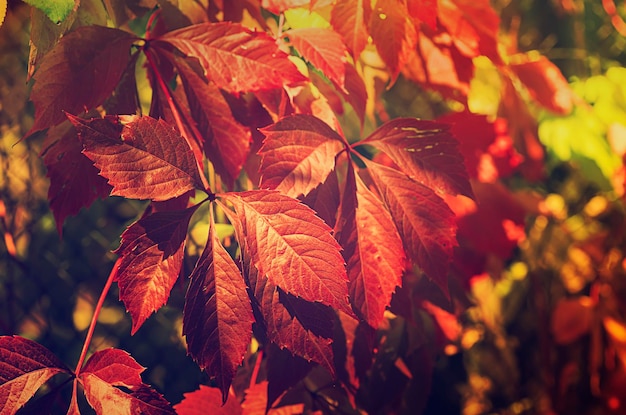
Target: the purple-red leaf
pixel 148 159
pixel 24 366
pixel 80 72
pixel 349 18
pixel 74 181
pixel 292 247
pixel 151 257
pixel 372 249
pixel 217 315
pixel 323 48
pixel 234 57
pixel 425 222
pixel 298 154
pixel 426 152
pixel 207 400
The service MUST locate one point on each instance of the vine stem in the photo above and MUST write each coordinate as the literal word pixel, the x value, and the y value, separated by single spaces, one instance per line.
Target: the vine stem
pixel 177 116
pixel 94 318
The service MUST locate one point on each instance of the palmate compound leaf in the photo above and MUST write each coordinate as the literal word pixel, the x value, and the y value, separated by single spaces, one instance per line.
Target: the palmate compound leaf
pixel 425 222
pixel 298 154
pixel 372 249
pixel 323 48
pixel 218 316
pixel 24 366
pixel 148 159
pixel 226 141
pixel 292 247
pixel 234 57
pixel 80 72
pixel 426 152
pixel 108 370
pixel 151 257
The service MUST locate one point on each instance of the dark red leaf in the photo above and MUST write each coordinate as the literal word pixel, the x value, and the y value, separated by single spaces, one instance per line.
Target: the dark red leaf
pixel 79 73
pixel 24 366
pixel 292 247
pixel 298 154
pixel 324 199
pixel 149 161
pixel 393 33
pixel 234 57
pixel 114 366
pixel 372 250
pixel 207 400
pixel 217 315
pixel 426 152
pixel 473 25
pixel 74 181
pixel 226 141
pixel 424 10
pixel 323 48
pixel 284 370
pixel 424 221
pixel 151 256
pixel 349 18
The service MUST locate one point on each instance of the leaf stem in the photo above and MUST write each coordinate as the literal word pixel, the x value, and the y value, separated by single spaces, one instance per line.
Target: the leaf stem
pixel 177 117
pixel 94 318
pixel 257 367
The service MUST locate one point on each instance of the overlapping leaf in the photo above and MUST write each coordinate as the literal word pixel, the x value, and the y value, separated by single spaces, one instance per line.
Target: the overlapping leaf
pixel 109 369
pixel 217 315
pixel 149 161
pixel 350 18
pixel 24 366
pixel 426 152
pixel 298 154
pixel 424 221
pixel 372 249
pixel 234 57
pixel 323 48
pixel 151 256
pixel 92 58
pixel 292 247
pixel 207 400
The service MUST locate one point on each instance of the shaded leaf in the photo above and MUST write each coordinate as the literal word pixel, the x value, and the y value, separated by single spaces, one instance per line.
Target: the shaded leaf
pixel 393 34
pixel 292 247
pixel 24 366
pixel 207 400
pixel 349 18
pixel 426 152
pixel 298 154
pixel 284 370
pixel 324 199
pixel 217 315
pixel 323 48
pixel 150 160
pixel 423 10
pixel 234 57
pixel 74 181
pixel 106 399
pixel 151 256
pixel 255 403
pixel 372 250
pixel 93 57
pixel 425 222
pixel 57 10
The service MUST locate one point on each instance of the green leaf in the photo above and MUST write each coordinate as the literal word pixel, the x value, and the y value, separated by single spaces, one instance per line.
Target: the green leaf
pixel 56 10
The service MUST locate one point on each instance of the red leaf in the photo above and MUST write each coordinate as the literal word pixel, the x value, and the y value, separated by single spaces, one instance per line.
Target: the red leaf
pixel 572 318
pixel 74 181
pixel 150 161
pixel 79 73
pixel 372 250
pixel 151 256
pixel 292 247
pixel 217 315
pixel 323 48
pixel 24 366
pixel 226 141
pixel 393 34
pixel 114 366
pixel 354 91
pixel 234 57
pixel 349 18
pixel 424 10
pixel 486 147
pixel 255 403
pixel 207 400
pixel 279 6
pixel 106 399
pixel 298 154
pixel 324 199
pixel 546 84
pixel 425 222
pixel 426 152
pixel 473 25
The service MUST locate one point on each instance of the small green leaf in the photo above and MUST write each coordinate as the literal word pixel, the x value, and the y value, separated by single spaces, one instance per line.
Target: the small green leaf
pixel 56 10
